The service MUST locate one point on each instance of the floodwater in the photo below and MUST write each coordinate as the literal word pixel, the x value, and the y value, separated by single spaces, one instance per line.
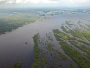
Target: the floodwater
pixel 12 44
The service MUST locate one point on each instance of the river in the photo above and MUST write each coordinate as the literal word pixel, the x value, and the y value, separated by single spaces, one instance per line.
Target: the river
pixel 12 44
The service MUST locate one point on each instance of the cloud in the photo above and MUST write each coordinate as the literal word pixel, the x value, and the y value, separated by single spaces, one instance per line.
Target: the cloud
pixel 7 1
pixel 51 2
pixel 27 1
pixel 3 1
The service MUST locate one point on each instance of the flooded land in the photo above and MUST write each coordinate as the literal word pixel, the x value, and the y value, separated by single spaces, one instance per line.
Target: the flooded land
pixel 45 38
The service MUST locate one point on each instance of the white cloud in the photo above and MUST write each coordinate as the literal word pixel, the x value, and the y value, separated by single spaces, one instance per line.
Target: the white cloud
pixel 41 1
pixel 53 2
pixel 29 1
pixel 79 1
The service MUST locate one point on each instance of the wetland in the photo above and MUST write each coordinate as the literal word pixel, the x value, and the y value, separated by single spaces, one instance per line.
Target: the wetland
pixel 44 38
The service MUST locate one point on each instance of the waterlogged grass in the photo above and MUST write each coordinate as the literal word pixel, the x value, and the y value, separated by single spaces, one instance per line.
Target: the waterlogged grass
pixel 79 22
pixel 75 55
pixel 73 65
pixel 56 31
pixel 44 62
pixel 17 65
pixel 36 63
pixel 77 33
pixel 81 47
pixel 64 29
pixel 86 34
pixel 50 47
pixel 49 37
pixel 62 55
pixel 78 57
pixel 57 64
pixel 63 35
pixel 25 42
pixel 58 38
pixel 84 42
pixel 88 25
pixel 68 23
pixel 85 28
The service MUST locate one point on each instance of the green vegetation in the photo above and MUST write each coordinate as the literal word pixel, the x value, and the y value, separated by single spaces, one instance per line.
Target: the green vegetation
pixel 68 23
pixel 58 37
pixel 44 62
pixel 50 47
pixel 17 65
pixel 37 59
pixel 85 28
pixel 81 47
pixel 87 35
pixel 62 55
pixel 77 33
pixel 25 42
pixel 75 55
pixel 64 29
pixel 79 22
pixel 49 37
pixel 8 23
pixel 56 31
pixel 73 65
pixel 63 35
pixel 57 64
pixel 88 25
pixel 84 42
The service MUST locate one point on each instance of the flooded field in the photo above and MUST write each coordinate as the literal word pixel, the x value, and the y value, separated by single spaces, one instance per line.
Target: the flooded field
pixel 52 33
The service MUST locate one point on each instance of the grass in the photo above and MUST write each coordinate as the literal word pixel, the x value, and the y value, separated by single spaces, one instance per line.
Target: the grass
pixel 56 31
pixel 62 34
pixel 88 25
pixel 25 42
pixel 73 65
pixel 86 34
pixel 17 65
pixel 44 61
pixel 85 28
pixel 62 55
pixel 84 42
pixel 81 47
pixel 50 38
pixel 37 59
pixel 50 47
pixel 64 29
pixel 75 55
pixel 77 33
pixel 79 22
pixel 65 36
pixel 58 37
pixel 68 23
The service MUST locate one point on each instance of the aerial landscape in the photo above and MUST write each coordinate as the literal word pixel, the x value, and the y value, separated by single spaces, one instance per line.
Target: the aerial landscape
pixel 44 35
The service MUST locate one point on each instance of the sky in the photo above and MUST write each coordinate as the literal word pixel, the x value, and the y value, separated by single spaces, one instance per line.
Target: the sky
pixel 44 3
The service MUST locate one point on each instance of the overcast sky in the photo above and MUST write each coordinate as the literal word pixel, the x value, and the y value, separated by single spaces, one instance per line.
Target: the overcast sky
pixel 44 3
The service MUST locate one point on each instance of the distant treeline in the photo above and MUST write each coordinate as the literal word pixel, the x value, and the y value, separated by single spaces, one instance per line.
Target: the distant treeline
pixel 7 23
